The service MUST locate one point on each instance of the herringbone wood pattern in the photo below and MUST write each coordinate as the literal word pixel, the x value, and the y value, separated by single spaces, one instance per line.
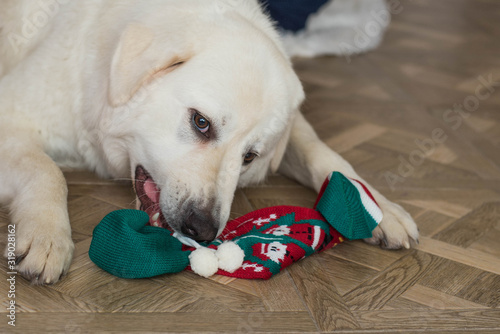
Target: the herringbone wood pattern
pixel 373 110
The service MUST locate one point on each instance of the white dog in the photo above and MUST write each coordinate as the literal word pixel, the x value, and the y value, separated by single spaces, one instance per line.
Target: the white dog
pixel 193 98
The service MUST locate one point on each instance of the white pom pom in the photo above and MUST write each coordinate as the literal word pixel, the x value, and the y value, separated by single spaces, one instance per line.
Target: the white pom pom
pixel 204 262
pixel 230 256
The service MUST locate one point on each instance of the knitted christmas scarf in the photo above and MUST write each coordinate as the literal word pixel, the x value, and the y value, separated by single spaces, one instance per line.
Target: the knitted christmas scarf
pixel 257 245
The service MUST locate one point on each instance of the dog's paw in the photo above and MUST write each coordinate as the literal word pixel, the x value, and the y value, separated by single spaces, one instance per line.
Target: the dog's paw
pixel 43 255
pixel 397 229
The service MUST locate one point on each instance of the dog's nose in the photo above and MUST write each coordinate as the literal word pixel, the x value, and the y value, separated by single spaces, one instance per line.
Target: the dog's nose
pixel 199 227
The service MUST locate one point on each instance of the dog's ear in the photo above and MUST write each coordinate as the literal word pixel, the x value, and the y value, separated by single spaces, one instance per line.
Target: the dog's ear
pixel 138 59
pixel 280 150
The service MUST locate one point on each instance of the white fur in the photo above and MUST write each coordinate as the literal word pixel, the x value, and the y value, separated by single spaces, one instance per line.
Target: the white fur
pixel 108 85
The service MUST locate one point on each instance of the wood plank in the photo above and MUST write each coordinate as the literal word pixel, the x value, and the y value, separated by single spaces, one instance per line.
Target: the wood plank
pixel 4 217
pixel 473 226
pixel 279 294
pixel 489 243
pixel 405 143
pixel 470 257
pixel 443 207
pixel 345 275
pixel 437 299
pixel 83 177
pixel 42 299
pixel 354 136
pixel 210 295
pixel 431 222
pixel 327 307
pixel 402 303
pixel 485 290
pixel 127 322
pixel 86 212
pixel 241 206
pixel 466 282
pixel 390 283
pixel 245 285
pixel 434 319
pixel 366 255
pixel 428 195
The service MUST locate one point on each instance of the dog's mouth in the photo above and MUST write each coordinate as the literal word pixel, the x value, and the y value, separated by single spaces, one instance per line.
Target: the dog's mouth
pixel 148 194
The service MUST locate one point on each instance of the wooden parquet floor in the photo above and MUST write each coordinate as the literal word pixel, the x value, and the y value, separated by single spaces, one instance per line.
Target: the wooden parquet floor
pixel 375 110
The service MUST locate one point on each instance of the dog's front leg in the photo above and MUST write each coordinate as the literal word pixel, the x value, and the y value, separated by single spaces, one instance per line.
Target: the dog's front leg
pixel 309 161
pixel 36 191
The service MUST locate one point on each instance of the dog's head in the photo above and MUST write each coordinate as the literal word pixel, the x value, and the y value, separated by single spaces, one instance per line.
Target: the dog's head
pixel 199 109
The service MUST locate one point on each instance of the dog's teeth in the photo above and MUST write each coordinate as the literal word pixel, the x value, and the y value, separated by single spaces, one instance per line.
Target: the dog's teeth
pixel 156 224
pixel 156 216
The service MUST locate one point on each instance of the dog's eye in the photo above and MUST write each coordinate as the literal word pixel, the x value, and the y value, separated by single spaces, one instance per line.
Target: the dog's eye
pixel 201 123
pixel 249 157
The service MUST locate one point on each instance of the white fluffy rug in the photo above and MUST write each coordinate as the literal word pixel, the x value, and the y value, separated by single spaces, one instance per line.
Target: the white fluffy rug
pixel 341 27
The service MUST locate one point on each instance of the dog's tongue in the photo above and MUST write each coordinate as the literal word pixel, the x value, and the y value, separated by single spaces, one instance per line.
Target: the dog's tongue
pixel 152 191
pixel 149 196
pixel 153 210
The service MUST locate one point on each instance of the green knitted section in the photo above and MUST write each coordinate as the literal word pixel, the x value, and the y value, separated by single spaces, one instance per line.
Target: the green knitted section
pixel 342 207
pixel 123 246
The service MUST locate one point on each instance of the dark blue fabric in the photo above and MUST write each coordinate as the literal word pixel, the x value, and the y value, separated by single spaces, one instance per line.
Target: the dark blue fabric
pixel 292 14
